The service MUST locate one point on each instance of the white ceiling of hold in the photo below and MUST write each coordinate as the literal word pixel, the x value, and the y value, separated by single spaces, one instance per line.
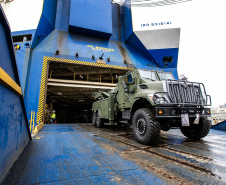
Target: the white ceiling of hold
pixel 23 14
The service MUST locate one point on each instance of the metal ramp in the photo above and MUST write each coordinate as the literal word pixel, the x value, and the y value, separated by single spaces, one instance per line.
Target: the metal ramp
pixel 220 126
pixel 84 154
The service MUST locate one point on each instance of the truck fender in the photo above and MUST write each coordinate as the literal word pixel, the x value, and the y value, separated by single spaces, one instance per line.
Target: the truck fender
pixel 140 103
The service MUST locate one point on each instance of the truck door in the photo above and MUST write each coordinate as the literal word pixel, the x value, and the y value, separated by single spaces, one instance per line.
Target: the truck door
pixel 125 89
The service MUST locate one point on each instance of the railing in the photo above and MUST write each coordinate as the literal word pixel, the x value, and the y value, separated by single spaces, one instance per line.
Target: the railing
pixel 184 93
pixel 32 122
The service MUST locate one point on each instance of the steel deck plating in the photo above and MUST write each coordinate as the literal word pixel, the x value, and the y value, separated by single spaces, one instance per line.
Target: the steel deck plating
pixel 83 154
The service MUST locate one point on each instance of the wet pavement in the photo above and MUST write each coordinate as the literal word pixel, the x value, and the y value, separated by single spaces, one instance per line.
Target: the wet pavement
pixel 83 154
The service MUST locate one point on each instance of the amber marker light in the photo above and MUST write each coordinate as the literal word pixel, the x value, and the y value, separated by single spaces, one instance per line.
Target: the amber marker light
pixel 160 112
pixel 150 96
pixel 208 112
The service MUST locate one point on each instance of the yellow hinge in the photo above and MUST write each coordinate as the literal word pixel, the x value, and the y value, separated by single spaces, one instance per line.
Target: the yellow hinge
pixel 7 81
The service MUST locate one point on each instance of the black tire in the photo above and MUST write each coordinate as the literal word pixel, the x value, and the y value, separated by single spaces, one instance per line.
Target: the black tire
pixel 118 123
pixel 145 128
pixel 165 126
pixel 118 119
pixel 94 119
pixel 197 132
pixel 99 121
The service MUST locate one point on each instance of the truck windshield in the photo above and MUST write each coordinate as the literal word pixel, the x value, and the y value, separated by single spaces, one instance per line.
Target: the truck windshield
pixel 166 75
pixel 148 74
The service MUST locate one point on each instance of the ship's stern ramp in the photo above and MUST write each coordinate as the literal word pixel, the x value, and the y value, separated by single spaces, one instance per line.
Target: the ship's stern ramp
pixel 14 130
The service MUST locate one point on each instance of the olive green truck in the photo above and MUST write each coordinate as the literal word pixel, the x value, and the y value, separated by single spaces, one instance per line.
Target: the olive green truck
pixel 152 101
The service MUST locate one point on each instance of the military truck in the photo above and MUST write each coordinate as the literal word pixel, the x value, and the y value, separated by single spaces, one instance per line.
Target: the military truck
pixel 152 101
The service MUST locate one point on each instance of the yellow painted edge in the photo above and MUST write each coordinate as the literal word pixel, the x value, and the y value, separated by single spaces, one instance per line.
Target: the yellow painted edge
pixel 7 81
pixel 86 63
pixel 38 127
pixel 42 90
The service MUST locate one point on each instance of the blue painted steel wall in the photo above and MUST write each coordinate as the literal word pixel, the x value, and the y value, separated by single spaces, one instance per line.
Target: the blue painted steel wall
pixel 46 26
pixel 24 32
pixel 117 24
pixel 63 15
pixel 91 17
pixel 158 55
pixel 128 23
pixel 14 130
pixel 134 42
pixel 47 22
pixel 22 58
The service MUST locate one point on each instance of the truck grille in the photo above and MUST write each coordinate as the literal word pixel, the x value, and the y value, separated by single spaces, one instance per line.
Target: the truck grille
pixel 186 93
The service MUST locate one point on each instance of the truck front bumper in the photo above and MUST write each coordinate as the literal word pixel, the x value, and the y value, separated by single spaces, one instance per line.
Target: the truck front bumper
pixel 175 112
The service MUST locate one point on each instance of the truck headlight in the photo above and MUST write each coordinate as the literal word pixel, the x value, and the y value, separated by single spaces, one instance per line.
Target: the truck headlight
pixel 161 99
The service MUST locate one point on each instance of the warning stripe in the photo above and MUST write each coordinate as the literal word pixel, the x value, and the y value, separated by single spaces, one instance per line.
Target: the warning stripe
pixel 85 63
pixel 42 91
pixel 44 76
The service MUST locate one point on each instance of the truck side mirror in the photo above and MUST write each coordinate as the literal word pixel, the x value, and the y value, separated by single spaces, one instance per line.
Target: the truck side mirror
pixel 124 86
pixel 132 90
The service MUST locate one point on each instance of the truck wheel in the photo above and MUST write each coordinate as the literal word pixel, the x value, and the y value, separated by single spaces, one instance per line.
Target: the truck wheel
pixel 99 121
pixel 145 128
pixel 197 132
pixel 94 119
pixel 165 126
pixel 118 123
